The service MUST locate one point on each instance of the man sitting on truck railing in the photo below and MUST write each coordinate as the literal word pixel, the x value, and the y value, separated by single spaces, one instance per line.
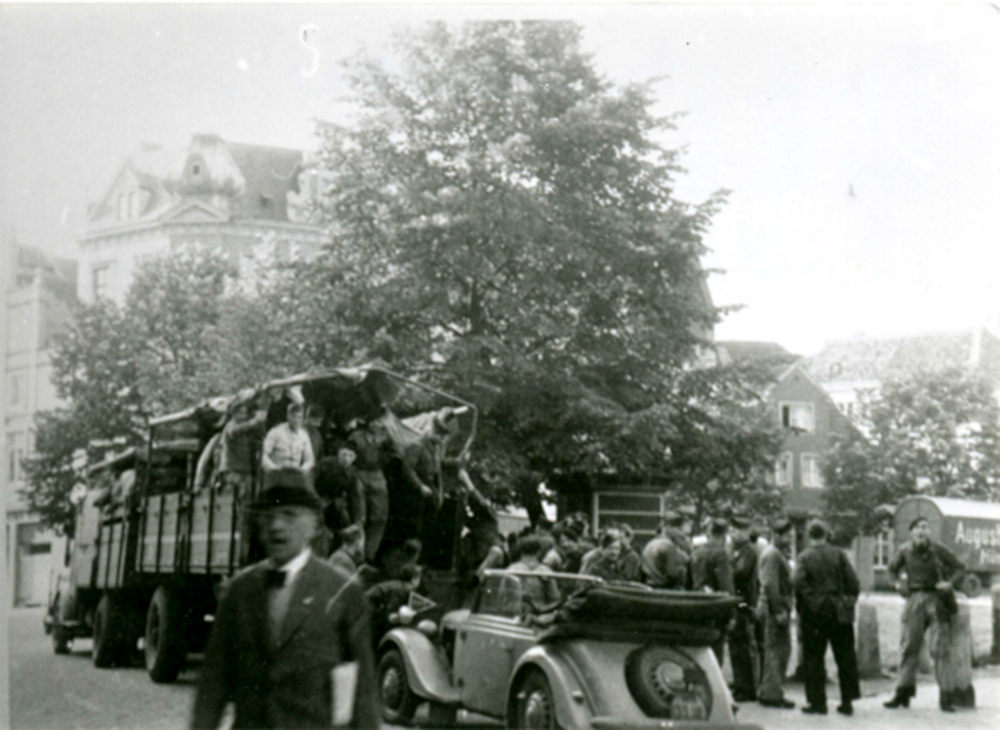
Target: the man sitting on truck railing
pixel 287 456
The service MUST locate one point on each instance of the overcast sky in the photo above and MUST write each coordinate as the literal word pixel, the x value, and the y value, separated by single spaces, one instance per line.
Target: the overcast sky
pixel 861 144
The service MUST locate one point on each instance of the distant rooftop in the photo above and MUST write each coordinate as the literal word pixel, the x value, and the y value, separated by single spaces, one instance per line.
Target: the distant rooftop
pixel 247 181
pixel 771 356
pixel 880 358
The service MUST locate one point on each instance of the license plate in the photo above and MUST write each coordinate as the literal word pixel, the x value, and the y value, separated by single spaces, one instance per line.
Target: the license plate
pixel 687 707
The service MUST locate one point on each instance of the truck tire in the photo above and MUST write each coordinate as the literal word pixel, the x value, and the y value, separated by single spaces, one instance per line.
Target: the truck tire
pixel 110 632
pixel 165 647
pixel 60 639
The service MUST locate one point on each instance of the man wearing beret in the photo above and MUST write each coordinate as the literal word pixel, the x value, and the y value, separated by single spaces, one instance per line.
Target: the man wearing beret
pixel 743 653
pixel 931 572
pixel 775 607
pixel 287 631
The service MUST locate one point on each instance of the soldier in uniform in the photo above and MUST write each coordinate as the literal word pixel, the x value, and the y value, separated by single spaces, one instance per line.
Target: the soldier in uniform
pixel 931 572
pixel 711 570
pixel 775 608
pixel 826 590
pixel 743 652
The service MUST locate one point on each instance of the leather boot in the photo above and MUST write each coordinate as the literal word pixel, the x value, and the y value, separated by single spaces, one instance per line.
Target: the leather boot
pixel 947 701
pixel 901 698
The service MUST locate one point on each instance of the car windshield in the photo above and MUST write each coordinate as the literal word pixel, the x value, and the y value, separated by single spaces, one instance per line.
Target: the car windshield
pixel 516 593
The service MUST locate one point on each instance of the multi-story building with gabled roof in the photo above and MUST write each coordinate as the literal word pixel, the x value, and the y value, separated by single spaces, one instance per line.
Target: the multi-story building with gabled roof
pixel 243 199
pixel 250 201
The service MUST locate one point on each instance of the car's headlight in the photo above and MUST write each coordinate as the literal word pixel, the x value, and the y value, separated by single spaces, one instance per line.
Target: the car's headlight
pixel 668 683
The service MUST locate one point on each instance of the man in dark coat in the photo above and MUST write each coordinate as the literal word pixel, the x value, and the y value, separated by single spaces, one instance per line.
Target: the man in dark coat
pixel 712 571
pixel 775 608
pixel 826 590
pixel 931 572
pixel 743 650
pixel 285 629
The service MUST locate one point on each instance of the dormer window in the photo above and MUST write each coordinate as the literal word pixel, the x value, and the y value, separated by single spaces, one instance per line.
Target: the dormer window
pixel 129 205
pixel 195 168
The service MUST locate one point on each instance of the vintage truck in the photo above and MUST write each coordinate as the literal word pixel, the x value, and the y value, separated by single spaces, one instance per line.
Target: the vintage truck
pixel 153 546
pixel 968 528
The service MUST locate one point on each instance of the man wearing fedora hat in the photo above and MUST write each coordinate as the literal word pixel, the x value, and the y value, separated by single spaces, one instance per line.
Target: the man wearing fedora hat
pixel 285 630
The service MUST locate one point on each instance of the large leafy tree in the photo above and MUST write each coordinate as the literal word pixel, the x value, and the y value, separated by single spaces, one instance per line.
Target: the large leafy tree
pixel 507 214
pixel 934 433
pixel 115 366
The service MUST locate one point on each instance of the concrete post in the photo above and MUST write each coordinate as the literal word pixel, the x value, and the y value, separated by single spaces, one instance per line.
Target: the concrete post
pixel 954 663
pixel 869 654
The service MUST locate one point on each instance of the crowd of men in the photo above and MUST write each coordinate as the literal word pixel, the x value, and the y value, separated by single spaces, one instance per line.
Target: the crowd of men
pixel 735 559
pixel 286 624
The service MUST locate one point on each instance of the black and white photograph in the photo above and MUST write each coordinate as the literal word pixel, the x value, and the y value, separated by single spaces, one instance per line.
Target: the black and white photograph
pixel 529 365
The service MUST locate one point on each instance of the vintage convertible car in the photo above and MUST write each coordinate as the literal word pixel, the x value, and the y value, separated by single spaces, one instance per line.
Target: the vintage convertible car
pixel 596 655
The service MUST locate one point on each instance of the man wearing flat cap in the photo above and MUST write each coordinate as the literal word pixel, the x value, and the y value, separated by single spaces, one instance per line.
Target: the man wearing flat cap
pixel 743 650
pixel 289 634
pixel 774 609
pixel 711 570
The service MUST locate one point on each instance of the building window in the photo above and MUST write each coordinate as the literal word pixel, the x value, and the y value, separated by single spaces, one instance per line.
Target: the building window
pixel 884 544
pixel 783 469
pixel 101 284
pixel 812 475
pixel 16 445
pixel 17 390
pixel 799 416
pixel 641 511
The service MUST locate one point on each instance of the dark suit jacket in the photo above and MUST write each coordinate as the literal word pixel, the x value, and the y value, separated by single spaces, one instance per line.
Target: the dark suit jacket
pixel 287 686
pixel 825 583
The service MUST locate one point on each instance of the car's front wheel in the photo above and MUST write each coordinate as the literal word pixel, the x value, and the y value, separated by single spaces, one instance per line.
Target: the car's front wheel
pixel 399 704
pixel 534 707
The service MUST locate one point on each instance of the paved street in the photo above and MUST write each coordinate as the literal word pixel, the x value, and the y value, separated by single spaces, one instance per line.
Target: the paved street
pixel 51 692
